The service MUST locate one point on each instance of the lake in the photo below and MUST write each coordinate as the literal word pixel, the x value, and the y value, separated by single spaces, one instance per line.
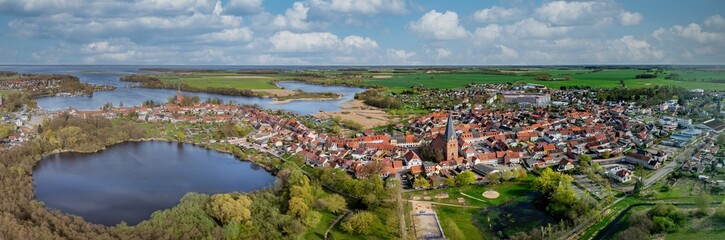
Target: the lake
pixel 130 96
pixel 129 181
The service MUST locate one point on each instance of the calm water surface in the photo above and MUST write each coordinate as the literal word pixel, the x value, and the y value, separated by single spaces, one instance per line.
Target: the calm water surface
pixel 128 96
pixel 129 181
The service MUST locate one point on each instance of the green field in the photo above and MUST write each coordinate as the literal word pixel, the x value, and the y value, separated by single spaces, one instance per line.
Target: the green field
pixel 579 77
pixel 458 78
pixel 508 191
pixel 402 81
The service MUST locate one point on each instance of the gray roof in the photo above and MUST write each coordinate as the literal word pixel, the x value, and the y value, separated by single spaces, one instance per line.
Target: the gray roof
pixel 450 130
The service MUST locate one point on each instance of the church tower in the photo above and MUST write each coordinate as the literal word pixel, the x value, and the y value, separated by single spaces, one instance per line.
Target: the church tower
pixel 451 149
pixel 179 97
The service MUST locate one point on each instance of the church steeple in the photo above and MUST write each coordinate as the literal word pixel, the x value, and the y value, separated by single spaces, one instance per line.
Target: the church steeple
pixel 450 130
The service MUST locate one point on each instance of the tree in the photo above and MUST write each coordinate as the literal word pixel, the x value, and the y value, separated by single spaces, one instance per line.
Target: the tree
pixel 466 178
pixel 420 183
pixel 69 137
pixel 297 208
pixel 451 182
pixel 227 209
pixel 362 222
pixel 509 174
pixel 522 174
pixel 606 154
pixel 720 212
pixel 493 177
pixel 703 203
pixel 333 203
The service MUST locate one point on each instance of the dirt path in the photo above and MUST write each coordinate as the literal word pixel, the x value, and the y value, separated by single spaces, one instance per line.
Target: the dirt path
pixel 347 212
pixel 444 204
pixel 481 200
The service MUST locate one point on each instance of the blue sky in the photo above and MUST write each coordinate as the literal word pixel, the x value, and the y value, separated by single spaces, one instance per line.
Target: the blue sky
pixel 361 32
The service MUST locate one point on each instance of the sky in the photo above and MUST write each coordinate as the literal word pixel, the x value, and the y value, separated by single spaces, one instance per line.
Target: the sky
pixel 362 32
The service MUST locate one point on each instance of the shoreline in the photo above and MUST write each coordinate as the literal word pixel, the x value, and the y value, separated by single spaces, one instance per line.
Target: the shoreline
pixel 275 101
pixel 264 166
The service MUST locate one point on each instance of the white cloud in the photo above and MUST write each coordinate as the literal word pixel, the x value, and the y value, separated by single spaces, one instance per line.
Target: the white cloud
pixel 439 26
pixel 630 50
pixel 496 14
pixel 567 13
pixel 692 31
pixel 442 53
pixel 715 21
pixel 533 28
pixel 294 18
pixel 286 41
pixel 364 7
pixel 488 33
pixel 243 7
pixel 507 53
pixel 629 18
pixel 228 35
pixel 399 54
pixel 359 42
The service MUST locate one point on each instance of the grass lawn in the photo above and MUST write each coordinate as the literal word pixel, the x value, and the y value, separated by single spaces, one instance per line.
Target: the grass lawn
pixel 461 218
pixel 697 234
pixel 318 232
pixel 508 191
pixel 232 80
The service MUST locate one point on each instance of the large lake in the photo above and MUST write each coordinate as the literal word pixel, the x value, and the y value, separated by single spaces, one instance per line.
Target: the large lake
pixel 129 181
pixel 130 96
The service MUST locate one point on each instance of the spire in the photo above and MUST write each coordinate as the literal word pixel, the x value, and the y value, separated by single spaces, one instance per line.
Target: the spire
pixel 450 130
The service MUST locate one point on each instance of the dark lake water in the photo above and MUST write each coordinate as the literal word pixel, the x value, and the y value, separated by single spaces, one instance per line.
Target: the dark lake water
pixel 129 181
pixel 129 96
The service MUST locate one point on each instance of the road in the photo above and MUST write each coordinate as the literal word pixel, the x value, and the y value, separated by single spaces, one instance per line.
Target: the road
pixel 662 172
pixel 682 156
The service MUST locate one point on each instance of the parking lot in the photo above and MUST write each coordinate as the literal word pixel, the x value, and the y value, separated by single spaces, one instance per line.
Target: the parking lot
pixel 593 187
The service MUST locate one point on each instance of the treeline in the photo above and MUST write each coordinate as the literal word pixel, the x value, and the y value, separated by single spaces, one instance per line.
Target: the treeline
pixel 306 95
pixel 645 76
pixel 152 82
pixel 86 134
pixel 377 98
pixel 16 100
pixel 646 97
pixel 37 85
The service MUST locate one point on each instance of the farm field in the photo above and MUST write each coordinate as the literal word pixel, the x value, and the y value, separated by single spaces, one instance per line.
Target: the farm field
pixel 457 78
pixel 608 78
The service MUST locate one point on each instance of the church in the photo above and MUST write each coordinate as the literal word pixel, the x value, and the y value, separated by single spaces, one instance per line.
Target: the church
pixel 446 145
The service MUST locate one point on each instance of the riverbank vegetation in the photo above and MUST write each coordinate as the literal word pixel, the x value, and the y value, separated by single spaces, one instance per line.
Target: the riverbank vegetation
pixel 39 85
